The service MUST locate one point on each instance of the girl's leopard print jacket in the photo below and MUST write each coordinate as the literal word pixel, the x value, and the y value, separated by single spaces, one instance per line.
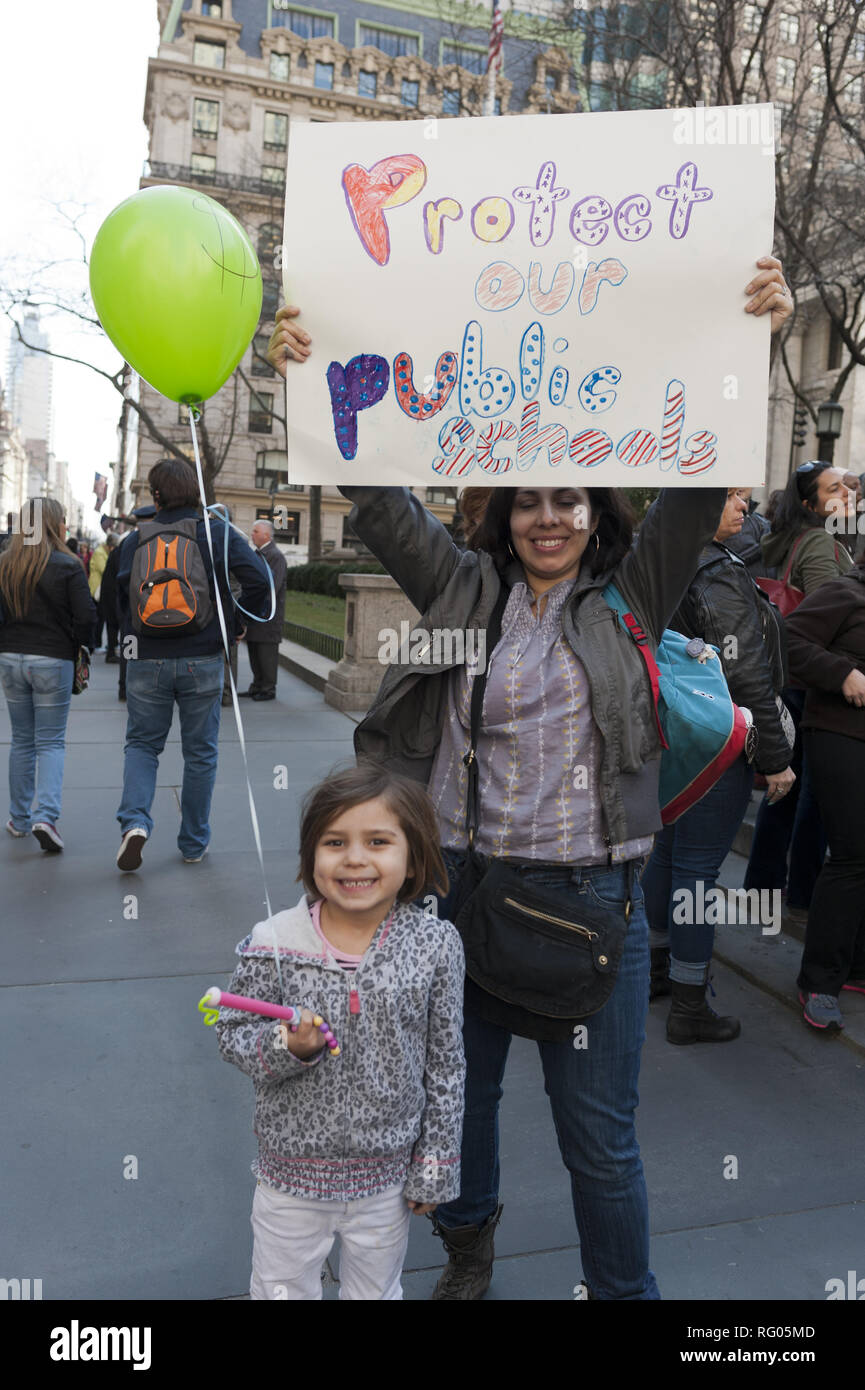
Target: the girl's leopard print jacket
pixel 388 1110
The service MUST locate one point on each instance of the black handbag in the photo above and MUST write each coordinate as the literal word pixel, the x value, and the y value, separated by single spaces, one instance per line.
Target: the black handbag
pixel 535 965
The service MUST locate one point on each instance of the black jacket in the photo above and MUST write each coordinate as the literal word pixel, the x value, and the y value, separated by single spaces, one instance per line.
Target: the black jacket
pixel 61 616
pixel 108 591
pixel 827 642
pixel 724 603
pixel 747 545
pixel 272 631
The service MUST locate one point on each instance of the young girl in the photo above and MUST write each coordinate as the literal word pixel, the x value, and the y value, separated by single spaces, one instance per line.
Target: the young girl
pixel 348 1145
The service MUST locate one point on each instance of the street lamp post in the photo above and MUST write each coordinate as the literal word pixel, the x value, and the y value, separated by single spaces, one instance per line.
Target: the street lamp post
pixel 830 420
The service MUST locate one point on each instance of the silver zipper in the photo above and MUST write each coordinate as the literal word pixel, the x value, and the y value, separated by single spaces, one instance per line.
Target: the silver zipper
pixel 547 917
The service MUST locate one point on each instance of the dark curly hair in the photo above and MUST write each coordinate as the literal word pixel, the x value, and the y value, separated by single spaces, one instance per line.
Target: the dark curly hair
pixel 486 519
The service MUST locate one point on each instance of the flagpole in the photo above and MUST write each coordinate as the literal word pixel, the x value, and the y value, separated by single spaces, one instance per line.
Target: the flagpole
pixel 494 58
pixel 491 91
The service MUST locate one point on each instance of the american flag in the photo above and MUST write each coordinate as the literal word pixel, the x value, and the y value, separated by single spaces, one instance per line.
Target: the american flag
pixel 494 57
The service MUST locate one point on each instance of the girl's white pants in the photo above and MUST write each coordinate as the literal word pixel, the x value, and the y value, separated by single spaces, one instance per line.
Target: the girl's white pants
pixel 293 1236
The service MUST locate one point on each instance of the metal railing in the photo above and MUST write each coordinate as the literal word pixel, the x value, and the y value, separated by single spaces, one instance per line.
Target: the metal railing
pixel 321 642
pixel 214 178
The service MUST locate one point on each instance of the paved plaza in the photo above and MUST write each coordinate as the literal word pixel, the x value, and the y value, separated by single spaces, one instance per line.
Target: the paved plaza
pixel 109 1069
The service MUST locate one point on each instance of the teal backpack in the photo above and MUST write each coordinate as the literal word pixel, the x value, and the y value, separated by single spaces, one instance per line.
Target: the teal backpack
pixel 702 730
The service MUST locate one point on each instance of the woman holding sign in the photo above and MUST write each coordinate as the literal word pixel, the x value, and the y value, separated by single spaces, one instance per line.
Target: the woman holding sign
pixel 564 804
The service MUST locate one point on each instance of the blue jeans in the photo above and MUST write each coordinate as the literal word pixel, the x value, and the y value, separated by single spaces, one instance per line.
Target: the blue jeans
pixel 593 1097
pixel 38 691
pixel 792 823
pixel 689 852
pixel 152 689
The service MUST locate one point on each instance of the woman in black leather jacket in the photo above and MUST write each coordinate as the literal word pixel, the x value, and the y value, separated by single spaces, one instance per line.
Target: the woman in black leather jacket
pixel 725 607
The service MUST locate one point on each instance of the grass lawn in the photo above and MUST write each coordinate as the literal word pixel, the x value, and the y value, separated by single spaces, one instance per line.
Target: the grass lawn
pixel 318 611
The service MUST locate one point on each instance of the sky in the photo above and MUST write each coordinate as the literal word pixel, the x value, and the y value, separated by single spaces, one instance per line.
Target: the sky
pixel 72 82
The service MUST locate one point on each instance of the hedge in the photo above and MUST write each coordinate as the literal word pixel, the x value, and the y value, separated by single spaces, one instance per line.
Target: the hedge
pixel 322 578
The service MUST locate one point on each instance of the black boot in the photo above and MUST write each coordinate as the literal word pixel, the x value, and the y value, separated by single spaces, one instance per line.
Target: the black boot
pixel 470 1259
pixel 659 972
pixel 691 1020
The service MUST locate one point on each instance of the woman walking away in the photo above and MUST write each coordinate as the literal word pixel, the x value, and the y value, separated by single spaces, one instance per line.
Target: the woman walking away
pixel 46 614
pixel 805 554
pixel 722 601
pixel 827 654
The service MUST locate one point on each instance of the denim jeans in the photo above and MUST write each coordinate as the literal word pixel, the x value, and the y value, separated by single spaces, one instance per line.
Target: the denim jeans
pixel 689 852
pixel 792 823
pixel 593 1097
pixel 38 691
pixel 152 689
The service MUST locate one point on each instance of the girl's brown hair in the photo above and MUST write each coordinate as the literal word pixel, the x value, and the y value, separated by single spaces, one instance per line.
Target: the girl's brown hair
pixel 407 800
pixel 25 558
pixel 486 517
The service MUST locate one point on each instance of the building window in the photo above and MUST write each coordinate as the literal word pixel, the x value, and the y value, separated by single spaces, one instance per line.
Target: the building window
pixel 752 18
pixel 497 106
pixel 459 56
pixel 280 66
pixel 269 298
pixel 751 61
pixel 203 164
pixel 270 469
pixel 275 130
pixel 213 10
pixel 208 55
pixel 853 90
pixel 442 496
pixel 260 412
pixel 260 364
pixel 818 79
pixel 205 118
pixel 786 73
pixel 550 83
pixel 269 241
pixel 324 76
pixel 389 41
pixel 409 92
pixel 788 28
pixel 273 173
pixel 451 101
pixel 859 46
pixel 308 24
pixel 367 84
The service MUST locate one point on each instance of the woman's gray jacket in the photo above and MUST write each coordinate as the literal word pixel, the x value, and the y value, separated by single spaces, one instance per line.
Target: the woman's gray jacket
pixel 457 589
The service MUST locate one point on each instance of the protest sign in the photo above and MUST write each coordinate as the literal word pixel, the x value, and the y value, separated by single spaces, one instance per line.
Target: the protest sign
pixel 535 299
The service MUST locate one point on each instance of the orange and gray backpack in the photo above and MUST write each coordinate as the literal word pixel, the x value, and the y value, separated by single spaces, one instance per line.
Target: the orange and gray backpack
pixel 169 593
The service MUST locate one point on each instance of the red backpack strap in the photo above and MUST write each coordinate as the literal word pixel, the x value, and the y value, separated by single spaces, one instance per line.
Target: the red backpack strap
pixel 654 674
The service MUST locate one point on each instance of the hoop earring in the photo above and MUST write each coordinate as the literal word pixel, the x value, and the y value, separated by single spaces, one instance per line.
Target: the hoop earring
pixel 597 542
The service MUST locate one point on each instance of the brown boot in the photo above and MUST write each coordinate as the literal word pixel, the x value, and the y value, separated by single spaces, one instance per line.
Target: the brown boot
pixel 470 1259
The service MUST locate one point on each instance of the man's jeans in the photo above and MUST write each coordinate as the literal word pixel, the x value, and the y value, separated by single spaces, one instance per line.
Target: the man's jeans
pixel 38 692
pixel 688 853
pixel 593 1096
pixel 152 687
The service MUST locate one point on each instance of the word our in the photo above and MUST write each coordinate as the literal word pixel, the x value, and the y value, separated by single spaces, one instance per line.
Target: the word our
pixel 398 179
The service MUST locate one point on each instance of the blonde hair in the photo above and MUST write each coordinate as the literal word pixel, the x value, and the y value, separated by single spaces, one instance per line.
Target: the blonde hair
pixel 25 558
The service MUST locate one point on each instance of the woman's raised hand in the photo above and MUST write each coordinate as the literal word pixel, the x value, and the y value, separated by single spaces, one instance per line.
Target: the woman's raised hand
pixel 770 291
pixel 288 340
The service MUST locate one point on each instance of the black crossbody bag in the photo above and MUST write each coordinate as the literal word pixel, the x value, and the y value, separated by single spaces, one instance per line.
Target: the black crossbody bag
pixel 538 966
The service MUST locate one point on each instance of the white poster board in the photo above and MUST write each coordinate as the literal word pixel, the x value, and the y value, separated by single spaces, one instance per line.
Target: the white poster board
pixel 534 299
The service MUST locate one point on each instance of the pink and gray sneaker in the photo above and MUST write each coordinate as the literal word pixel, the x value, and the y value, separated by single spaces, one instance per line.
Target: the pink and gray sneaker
pixel 48 837
pixel 821 1011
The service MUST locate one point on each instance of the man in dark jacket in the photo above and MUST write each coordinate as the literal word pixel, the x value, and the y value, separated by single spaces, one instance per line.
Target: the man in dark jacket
pixel 746 543
pixel 182 667
pixel 263 639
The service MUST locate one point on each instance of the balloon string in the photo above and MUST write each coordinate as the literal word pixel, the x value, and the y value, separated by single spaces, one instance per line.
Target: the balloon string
pixel 194 414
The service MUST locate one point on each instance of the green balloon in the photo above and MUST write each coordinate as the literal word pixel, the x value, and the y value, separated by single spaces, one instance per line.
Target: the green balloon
pixel 177 286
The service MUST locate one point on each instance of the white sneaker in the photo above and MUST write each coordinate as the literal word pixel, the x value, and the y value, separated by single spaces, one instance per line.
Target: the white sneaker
pixel 129 853
pixel 196 859
pixel 48 837
pixel 16 834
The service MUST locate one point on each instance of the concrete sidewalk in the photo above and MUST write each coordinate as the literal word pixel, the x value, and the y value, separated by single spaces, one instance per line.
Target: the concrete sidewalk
pixel 126 1141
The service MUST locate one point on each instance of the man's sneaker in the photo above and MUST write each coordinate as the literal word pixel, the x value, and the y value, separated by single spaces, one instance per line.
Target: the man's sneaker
pixel 129 853
pixel 195 858
pixel 48 837
pixel 821 1011
pixel 857 985
pixel 16 834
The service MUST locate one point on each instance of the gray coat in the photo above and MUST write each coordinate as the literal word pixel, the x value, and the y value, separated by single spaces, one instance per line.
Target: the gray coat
pixel 272 631
pixel 457 589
